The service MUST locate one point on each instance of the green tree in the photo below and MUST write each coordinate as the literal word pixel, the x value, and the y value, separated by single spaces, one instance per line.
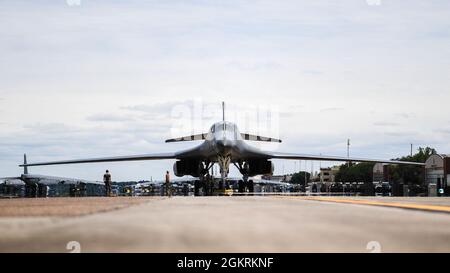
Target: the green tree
pixel 299 178
pixel 410 174
pixel 360 172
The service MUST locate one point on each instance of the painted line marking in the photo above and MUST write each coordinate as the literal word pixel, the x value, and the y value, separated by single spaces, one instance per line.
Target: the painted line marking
pixel 435 208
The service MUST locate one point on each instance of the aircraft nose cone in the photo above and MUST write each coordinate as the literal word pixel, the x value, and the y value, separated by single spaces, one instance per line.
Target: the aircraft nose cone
pixel 223 145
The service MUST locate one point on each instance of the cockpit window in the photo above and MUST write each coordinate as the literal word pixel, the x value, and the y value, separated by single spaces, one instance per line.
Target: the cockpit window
pixel 218 127
pixel 230 127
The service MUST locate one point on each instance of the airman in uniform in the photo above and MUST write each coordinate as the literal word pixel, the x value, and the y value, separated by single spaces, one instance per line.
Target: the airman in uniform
pixel 167 185
pixel 107 181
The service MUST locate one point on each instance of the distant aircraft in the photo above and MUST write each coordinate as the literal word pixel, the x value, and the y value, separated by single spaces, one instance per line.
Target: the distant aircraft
pixel 35 183
pixel 222 144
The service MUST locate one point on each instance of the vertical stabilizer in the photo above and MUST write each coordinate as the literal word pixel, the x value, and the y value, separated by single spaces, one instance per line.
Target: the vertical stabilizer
pixel 223 111
pixel 25 168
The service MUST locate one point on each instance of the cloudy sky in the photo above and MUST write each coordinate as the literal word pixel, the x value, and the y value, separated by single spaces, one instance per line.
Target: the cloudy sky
pixel 82 78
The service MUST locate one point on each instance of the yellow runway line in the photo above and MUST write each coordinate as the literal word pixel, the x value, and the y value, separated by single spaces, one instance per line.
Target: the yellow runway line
pixel 382 204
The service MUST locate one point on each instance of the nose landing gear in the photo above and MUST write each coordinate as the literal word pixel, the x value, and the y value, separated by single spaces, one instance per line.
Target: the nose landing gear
pixel 206 180
pixel 224 164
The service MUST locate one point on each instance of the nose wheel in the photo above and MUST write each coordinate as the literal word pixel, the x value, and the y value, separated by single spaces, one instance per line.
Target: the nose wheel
pixel 224 164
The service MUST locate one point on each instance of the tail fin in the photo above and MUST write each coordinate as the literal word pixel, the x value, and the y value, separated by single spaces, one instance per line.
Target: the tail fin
pixel 25 168
pixel 223 111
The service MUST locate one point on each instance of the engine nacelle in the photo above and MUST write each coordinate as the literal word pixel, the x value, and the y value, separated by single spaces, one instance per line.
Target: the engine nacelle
pixel 260 166
pixel 186 167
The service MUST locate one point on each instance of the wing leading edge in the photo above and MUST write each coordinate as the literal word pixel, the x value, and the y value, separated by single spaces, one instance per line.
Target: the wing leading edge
pixel 188 138
pixel 338 158
pixel 107 159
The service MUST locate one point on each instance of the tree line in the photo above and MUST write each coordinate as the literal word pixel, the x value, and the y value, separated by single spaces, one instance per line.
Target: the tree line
pixel 363 172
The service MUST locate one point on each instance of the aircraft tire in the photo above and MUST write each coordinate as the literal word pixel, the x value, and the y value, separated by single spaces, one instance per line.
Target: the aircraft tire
pixel 251 186
pixel 241 186
pixel 196 188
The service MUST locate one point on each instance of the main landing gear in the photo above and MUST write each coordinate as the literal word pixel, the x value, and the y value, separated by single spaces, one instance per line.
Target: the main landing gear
pixel 244 185
pixel 206 180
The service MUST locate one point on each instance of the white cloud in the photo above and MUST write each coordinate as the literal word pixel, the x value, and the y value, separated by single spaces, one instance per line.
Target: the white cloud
pixel 103 78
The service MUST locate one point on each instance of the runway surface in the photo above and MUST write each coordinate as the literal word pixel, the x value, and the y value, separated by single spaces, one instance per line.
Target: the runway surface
pixel 226 224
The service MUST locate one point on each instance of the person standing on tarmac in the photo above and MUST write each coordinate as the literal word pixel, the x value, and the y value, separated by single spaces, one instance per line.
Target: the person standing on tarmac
pixel 167 185
pixel 107 181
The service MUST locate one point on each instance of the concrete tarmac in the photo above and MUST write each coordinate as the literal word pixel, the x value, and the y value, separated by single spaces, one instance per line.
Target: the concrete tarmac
pixel 224 224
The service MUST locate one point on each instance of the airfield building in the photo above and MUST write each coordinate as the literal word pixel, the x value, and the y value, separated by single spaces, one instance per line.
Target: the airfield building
pixel 437 173
pixel 381 172
pixel 327 175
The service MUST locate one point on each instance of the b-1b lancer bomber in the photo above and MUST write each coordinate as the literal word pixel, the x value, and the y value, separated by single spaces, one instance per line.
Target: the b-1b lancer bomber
pixel 224 145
